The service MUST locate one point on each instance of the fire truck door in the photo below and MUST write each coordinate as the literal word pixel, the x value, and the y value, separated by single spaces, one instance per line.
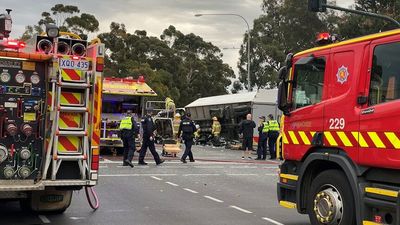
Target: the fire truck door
pixel 379 118
pixel 309 76
pixel 341 115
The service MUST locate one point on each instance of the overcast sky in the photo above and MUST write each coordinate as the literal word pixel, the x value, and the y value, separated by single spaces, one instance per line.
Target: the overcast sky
pixel 156 15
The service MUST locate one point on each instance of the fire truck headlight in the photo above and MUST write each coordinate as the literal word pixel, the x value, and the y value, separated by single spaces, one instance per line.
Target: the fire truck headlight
pixel 52 30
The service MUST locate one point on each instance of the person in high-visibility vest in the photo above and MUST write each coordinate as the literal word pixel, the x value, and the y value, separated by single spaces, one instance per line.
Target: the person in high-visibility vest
pixel 176 123
pixel 169 106
pixel 128 128
pixel 216 130
pixel 262 139
pixel 273 133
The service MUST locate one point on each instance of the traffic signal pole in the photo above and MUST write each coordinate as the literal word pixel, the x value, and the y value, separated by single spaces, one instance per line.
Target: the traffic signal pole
pixel 362 13
pixel 321 6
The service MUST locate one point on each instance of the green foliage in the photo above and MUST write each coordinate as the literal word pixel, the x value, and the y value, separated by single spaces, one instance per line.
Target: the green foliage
pixel 286 26
pixel 67 18
pixel 353 25
pixel 181 66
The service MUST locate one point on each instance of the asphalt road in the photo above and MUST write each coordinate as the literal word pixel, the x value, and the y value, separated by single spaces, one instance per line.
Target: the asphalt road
pixel 217 189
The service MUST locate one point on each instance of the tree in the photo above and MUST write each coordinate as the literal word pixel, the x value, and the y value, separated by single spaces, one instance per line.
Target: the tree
pixel 353 25
pixel 67 18
pixel 287 26
pixel 177 65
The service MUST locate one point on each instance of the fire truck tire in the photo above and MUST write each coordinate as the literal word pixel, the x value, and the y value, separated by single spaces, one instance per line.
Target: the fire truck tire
pixel 331 200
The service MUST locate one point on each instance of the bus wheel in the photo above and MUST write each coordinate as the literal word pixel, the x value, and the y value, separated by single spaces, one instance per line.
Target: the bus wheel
pixel 331 200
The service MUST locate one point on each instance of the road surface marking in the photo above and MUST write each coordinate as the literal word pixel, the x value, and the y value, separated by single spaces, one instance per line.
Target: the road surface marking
pixel 271 174
pixel 44 219
pixel 209 167
pixel 190 190
pixel 137 167
pixel 156 178
pixel 272 221
pixel 173 184
pixel 241 174
pixel 243 167
pixel 76 218
pixel 201 174
pixel 135 175
pixel 213 199
pixel 103 167
pixel 270 167
pixel 240 209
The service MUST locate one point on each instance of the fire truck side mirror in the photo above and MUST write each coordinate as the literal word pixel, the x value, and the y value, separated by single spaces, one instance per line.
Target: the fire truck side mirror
pixel 317 5
pixel 282 97
pixel 282 74
pixel 288 60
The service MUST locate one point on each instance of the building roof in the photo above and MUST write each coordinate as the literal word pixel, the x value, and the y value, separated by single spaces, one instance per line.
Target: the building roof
pixel 262 96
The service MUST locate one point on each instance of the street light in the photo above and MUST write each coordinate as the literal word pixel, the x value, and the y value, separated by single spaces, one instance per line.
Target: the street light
pixel 248 39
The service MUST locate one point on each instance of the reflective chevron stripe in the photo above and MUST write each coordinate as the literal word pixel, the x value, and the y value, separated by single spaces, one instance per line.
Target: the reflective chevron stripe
pixel 369 139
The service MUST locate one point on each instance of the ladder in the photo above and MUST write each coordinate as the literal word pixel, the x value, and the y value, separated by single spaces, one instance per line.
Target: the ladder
pixel 69 143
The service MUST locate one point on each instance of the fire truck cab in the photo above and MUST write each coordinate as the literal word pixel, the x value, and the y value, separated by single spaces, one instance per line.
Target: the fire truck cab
pixel 341 137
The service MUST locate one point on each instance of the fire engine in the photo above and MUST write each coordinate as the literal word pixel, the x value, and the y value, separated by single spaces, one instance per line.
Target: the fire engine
pixel 119 96
pixel 341 136
pixel 50 105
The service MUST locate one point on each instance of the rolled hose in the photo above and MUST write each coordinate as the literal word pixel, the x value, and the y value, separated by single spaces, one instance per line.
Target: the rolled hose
pixel 90 192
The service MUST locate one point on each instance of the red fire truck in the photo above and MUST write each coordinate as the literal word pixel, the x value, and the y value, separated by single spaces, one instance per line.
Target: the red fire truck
pixel 50 115
pixel 341 137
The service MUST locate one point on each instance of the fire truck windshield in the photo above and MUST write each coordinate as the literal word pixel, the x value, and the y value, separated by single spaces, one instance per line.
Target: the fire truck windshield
pixel 309 79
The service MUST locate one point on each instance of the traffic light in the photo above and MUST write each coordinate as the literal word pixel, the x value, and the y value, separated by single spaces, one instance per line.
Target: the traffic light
pixel 317 5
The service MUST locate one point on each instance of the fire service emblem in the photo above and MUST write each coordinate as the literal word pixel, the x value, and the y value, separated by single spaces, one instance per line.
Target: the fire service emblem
pixel 342 74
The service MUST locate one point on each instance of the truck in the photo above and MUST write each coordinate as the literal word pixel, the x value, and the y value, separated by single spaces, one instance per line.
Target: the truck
pixel 119 96
pixel 341 135
pixel 50 110
pixel 231 109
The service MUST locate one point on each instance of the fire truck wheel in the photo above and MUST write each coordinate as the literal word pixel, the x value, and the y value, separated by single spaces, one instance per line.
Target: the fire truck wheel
pixel 331 200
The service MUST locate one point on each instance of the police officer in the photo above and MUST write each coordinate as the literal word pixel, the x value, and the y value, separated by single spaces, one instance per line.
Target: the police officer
pixel 128 130
pixel 273 133
pixel 148 139
pixel 262 140
pixel 187 129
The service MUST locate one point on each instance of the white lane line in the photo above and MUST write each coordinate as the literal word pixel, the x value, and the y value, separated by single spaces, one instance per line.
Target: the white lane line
pixel 135 175
pixel 172 184
pixel 240 209
pixel 271 174
pixel 44 219
pixel 209 167
pixel 103 167
pixel 213 199
pixel 243 167
pixel 272 221
pixel 241 174
pixel 190 190
pixel 155 178
pixel 202 174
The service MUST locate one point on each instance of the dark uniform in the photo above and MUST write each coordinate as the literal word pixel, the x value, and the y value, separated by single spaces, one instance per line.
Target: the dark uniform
pixel 187 128
pixel 128 129
pixel 262 141
pixel 148 141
